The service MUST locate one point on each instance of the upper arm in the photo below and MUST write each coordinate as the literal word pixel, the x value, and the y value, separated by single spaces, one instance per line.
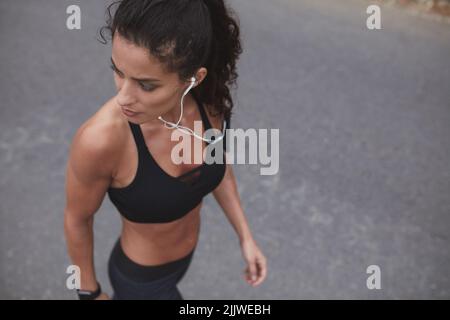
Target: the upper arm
pixel 88 172
pixel 219 122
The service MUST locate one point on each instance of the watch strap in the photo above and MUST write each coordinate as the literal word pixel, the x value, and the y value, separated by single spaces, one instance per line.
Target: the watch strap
pixel 89 295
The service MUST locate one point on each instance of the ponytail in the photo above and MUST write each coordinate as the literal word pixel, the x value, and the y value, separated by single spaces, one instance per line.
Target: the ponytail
pixel 221 64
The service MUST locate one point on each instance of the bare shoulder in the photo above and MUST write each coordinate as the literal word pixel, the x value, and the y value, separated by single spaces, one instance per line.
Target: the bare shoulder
pixel 95 145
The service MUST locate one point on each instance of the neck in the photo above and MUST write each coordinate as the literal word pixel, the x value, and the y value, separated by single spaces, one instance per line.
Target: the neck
pixel 174 114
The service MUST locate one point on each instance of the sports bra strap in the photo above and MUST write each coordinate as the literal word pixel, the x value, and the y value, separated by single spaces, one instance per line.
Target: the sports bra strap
pixel 201 108
pixel 138 137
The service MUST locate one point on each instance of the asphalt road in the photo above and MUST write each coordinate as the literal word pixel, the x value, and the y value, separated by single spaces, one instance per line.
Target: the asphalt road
pixel 364 173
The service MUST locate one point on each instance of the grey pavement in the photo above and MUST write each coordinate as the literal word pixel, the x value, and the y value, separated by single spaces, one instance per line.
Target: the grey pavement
pixel 364 119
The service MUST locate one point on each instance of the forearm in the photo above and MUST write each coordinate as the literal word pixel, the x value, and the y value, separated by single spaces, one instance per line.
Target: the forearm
pixel 80 245
pixel 227 196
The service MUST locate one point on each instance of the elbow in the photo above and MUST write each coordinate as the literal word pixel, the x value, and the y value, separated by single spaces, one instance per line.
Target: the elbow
pixel 74 222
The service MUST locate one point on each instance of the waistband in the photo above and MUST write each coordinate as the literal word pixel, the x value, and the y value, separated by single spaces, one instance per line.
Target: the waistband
pixel 142 273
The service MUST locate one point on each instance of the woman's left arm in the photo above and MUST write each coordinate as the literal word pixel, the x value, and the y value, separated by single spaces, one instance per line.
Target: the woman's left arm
pixel 227 197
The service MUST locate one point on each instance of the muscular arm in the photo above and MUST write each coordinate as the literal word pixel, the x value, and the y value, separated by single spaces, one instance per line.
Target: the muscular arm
pixel 226 195
pixel 88 175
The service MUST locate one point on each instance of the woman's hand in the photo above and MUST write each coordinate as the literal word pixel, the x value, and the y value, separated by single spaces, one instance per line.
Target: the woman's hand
pixel 256 269
pixel 103 296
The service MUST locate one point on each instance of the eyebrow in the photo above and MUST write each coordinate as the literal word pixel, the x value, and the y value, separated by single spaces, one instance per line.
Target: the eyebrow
pixel 136 79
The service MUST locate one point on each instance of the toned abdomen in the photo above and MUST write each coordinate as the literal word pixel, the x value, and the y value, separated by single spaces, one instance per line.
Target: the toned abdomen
pixel 158 243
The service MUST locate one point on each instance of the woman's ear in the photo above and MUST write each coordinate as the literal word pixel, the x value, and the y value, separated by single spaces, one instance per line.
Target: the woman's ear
pixel 200 75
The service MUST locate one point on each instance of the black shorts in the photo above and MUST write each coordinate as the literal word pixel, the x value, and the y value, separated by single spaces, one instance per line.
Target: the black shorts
pixel 132 281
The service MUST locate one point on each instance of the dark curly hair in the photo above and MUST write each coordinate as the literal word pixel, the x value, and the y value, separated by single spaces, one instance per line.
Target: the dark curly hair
pixel 185 35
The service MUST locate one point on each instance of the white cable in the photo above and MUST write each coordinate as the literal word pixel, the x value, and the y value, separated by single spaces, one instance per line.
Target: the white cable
pixel 171 125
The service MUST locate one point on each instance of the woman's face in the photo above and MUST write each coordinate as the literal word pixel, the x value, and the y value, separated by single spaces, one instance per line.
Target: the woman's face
pixel 142 84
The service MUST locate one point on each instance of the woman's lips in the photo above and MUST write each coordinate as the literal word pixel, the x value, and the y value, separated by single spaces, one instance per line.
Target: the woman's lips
pixel 129 113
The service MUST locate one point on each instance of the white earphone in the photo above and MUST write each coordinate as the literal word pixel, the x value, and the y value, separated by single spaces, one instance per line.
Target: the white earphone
pixel 171 125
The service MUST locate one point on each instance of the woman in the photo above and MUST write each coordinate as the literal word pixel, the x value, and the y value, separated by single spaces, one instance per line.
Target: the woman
pixel 173 62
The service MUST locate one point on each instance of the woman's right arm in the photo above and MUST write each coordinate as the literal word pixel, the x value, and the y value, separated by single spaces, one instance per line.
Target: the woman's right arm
pixel 88 176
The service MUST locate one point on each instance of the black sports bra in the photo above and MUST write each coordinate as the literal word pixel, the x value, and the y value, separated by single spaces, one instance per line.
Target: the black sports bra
pixel 154 196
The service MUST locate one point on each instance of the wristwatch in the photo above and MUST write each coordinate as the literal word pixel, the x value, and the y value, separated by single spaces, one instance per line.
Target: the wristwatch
pixel 89 295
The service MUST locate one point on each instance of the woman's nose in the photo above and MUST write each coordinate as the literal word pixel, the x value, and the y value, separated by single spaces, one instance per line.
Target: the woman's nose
pixel 125 96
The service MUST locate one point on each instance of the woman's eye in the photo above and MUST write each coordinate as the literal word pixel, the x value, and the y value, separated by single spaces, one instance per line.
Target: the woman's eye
pixel 115 70
pixel 147 87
